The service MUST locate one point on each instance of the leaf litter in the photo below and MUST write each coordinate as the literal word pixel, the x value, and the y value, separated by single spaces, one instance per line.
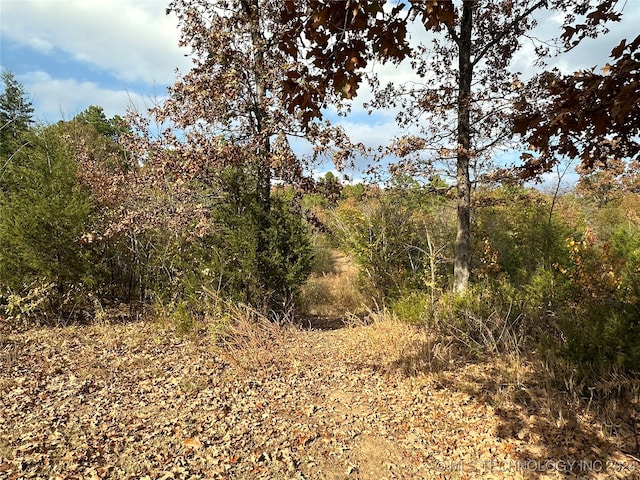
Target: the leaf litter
pixel 139 401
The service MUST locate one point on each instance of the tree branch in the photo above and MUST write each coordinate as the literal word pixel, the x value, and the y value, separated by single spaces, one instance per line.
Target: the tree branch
pixel 503 33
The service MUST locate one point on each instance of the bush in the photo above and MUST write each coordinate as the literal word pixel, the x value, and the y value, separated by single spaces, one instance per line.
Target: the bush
pixel 413 307
pixel 516 234
pixel 626 247
pixel 44 212
pixel 248 255
pixel 40 303
pixel 30 307
pixel 600 323
pixel 401 240
pixel 486 318
pixel 287 261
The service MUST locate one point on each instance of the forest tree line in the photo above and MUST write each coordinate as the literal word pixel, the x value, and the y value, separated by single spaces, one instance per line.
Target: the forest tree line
pixel 98 212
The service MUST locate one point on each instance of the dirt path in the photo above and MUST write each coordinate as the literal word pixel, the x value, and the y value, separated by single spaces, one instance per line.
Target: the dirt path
pixel 135 401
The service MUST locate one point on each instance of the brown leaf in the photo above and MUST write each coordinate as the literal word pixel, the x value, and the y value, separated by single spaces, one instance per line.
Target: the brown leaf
pixel 193 443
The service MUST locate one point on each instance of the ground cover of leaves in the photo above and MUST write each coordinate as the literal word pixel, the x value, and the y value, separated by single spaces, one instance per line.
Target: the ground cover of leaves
pixel 138 401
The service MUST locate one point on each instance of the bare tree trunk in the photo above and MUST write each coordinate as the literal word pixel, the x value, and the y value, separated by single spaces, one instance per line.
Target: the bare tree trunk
pixel 463 236
pixel 263 169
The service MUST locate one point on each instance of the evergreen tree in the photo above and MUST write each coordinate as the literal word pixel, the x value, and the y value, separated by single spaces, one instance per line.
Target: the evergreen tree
pixel 43 213
pixel 111 128
pixel 16 114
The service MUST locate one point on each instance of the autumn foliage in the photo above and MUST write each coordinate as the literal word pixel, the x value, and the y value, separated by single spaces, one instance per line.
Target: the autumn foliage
pixel 591 116
pixel 200 206
pixel 224 314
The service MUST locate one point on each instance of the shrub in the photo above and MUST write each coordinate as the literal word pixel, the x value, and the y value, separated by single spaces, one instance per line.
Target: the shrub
pixel 485 318
pixel 626 247
pixel 286 262
pixel 517 234
pixel 33 306
pixel 600 324
pixel 413 307
pixel 44 212
pixel 401 240
pixel 248 255
pixel 40 303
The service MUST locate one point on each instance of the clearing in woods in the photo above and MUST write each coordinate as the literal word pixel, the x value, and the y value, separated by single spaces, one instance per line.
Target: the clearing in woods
pixel 372 400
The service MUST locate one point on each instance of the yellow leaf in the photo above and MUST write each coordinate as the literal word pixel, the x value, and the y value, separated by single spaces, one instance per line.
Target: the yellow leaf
pixel 192 443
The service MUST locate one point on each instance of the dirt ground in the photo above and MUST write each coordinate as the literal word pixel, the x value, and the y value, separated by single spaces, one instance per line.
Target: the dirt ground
pixel 285 402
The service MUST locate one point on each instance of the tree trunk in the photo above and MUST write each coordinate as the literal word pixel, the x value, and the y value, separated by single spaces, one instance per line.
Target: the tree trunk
pixel 263 168
pixel 261 164
pixel 463 236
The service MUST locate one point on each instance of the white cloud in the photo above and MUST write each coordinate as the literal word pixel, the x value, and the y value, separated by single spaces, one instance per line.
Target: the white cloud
pixel 591 52
pixel 56 99
pixel 136 42
pixel 370 134
pixel 548 182
pixel 40 45
pixel 132 39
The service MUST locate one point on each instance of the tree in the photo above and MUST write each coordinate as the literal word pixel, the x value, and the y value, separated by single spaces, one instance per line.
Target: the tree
pixel 16 114
pixel 226 92
pixel 468 64
pixel 235 87
pixel 329 187
pixel 111 128
pixel 224 115
pixel 44 211
pixel 593 117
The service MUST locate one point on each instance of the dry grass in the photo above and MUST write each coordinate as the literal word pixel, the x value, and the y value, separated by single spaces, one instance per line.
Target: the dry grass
pixel 237 395
pixel 252 342
pixel 337 292
pixel 269 400
pixel 389 344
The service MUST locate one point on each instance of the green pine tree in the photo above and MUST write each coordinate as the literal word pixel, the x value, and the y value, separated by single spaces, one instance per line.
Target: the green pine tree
pixel 16 115
pixel 111 128
pixel 43 213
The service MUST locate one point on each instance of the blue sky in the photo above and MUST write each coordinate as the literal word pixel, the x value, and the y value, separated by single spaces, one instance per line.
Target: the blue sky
pixel 70 54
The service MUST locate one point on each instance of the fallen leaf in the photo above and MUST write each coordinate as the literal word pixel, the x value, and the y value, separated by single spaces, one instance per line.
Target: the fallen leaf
pixel 192 443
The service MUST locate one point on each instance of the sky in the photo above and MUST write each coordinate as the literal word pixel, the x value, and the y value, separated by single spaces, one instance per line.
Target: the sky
pixel 70 54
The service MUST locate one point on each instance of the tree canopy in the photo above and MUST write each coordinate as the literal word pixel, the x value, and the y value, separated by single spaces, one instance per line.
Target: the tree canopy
pixel 16 113
pixel 592 116
pixel 469 89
